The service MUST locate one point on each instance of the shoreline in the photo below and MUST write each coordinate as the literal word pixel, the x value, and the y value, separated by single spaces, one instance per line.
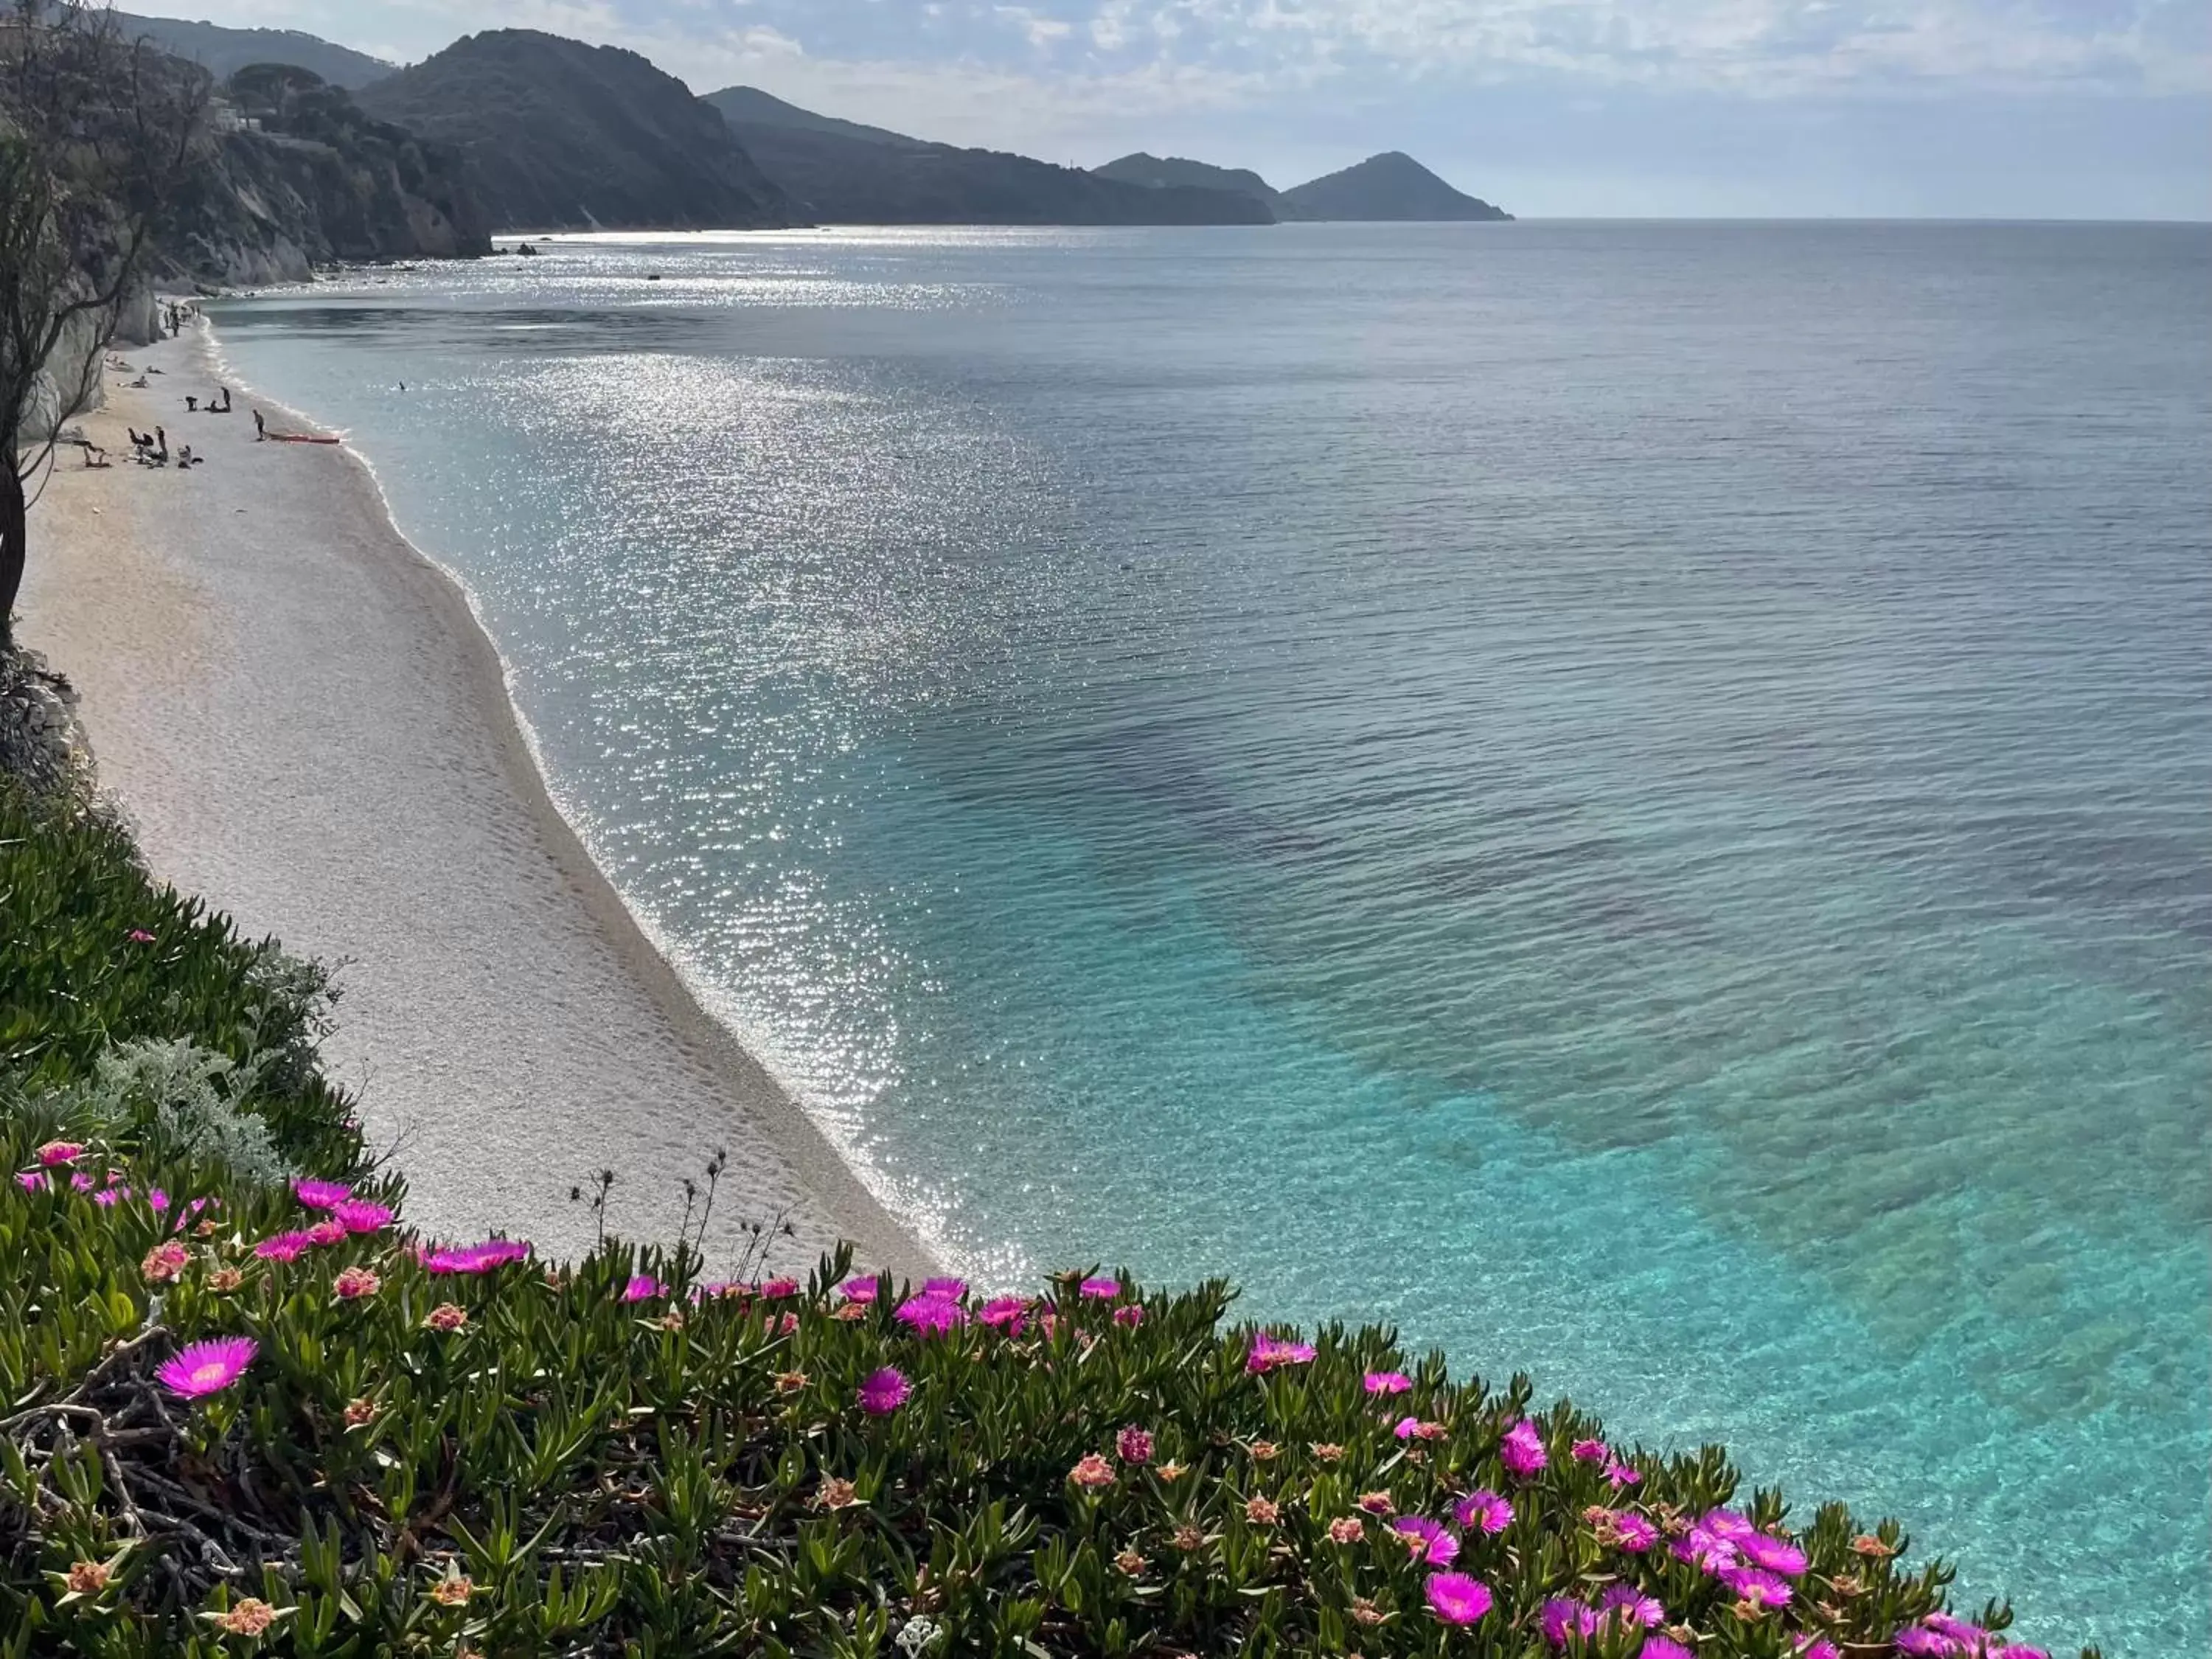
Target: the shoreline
pixel 154 675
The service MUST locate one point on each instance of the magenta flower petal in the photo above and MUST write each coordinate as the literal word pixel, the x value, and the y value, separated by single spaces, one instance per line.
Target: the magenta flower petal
pixel 1775 1554
pixel 1484 1512
pixel 930 1315
pixel 205 1368
pixel 1008 1314
pixel 1387 1382
pixel 885 1391
pixel 321 1194
pixel 358 1216
pixel 1269 1351
pixel 1101 1290
pixel 1457 1599
pixel 284 1246
pixel 1429 1541
pixel 858 1289
pixel 952 1288
pixel 643 1287
pixel 1522 1448
pixel 33 1181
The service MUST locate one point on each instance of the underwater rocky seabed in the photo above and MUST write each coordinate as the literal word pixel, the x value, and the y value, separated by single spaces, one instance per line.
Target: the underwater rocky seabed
pixel 1631 799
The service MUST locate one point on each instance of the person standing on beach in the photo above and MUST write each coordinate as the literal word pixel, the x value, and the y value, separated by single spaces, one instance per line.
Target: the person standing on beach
pixel 260 427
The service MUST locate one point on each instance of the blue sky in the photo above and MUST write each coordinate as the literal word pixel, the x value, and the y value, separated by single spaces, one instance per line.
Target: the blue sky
pixel 2038 108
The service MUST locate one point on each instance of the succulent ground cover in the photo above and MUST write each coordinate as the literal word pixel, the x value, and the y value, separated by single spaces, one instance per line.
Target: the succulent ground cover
pixel 243 1408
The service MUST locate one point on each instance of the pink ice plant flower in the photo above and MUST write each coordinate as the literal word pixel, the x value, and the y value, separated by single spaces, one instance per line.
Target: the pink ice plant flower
pixel 1100 1290
pixel 1456 1599
pixel 779 1289
pixel 321 1194
pixel 1133 1446
pixel 1484 1512
pixel 1633 1606
pixel 474 1258
pixel 1129 1316
pixel 56 1152
pixel 862 1290
pixel 1756 1584
pixel 643 1287
pixel 205 1368
pixel 930 1315
pixel 1591 1451
pixel 953 1288
pixel 139 936
pixel 1637 1534
pixel 108 1197
pixel 81 1181
pixel 1007 1314
pixel 359 1216
pixel 1563 1617
pixel 1775 1554
pixel 284 1246
pixel 885 1391
pixel 1706 1550
pixel 1522 1450
pixel 1617 1473
pixel 1269 1351
pixel 1663 1647
pixel 1818 1647
pixel 33 1181
pixel 1386 1382
pixel 1427 1540
pixel 1726 1523
pixel 1919 1642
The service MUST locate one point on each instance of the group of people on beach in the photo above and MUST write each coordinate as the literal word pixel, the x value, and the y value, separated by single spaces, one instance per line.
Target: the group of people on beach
pixel 152 449
pixel 219 405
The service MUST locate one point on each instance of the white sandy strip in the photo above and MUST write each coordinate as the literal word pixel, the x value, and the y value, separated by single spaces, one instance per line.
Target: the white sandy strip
pixel 303 721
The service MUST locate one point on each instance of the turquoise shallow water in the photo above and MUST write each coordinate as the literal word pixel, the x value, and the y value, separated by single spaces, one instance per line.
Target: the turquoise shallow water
pixel 1637 799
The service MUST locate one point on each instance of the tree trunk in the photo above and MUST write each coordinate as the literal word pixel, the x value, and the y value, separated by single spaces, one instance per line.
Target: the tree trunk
pixel 13 541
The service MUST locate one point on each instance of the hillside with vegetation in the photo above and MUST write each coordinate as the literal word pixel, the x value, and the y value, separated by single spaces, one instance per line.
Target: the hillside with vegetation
pixel 249 1409
pixel 841 172
pixel 224 51
pixel 554 134
pixel 1176 173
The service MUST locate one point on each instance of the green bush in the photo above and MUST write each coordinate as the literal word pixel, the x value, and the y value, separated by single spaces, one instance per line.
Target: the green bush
pixel 439 1451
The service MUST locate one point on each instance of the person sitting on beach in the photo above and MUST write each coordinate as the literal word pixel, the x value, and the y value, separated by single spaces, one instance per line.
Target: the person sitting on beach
pixel 260 427
pixel 191 406
pixel 184 456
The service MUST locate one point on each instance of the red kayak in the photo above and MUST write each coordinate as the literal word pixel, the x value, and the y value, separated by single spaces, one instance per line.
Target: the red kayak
pixel 299 438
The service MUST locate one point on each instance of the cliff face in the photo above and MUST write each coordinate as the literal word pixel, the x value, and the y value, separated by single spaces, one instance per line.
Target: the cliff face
pixel 557 135
pixel 304 178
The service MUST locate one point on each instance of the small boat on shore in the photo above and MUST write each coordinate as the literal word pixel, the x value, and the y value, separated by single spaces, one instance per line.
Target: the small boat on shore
pixel 299 438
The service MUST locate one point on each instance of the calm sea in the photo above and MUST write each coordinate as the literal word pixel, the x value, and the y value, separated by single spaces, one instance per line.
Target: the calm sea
pixel 1636 799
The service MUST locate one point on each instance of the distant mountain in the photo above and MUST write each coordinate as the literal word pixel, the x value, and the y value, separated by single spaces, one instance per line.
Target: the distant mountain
pixel 1173 172
pixel 749 105
pixel 841 172
pixel 1392 185
pixel 225 51
pixel 557 135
